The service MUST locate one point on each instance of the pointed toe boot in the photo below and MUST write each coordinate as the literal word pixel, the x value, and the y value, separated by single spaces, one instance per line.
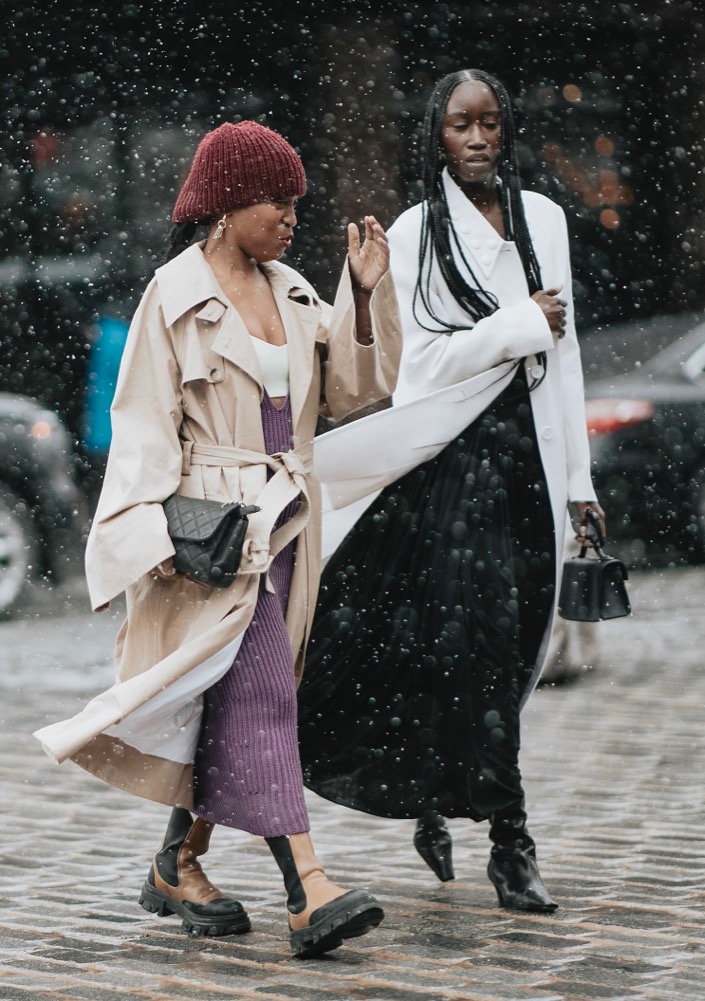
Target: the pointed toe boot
pixel 513 868
pixel 434 844
pixel 518 882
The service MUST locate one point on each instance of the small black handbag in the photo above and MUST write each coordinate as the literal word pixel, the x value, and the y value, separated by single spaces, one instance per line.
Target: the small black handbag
pixel 208 537
pixel 593 589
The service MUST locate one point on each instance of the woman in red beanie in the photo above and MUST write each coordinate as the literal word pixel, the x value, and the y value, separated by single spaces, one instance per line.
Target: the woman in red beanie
pixel 229 358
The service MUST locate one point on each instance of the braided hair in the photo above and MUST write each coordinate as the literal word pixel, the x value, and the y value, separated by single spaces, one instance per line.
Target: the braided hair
pixel 439 240
pixel 181 236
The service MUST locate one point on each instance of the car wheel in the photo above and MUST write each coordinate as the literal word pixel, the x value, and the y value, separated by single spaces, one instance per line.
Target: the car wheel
pixel 18 549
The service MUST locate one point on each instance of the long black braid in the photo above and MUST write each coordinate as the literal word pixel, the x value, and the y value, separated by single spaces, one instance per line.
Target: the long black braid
pixel 439 240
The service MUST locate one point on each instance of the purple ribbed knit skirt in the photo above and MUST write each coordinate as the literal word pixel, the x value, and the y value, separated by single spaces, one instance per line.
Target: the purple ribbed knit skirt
pixel 247 771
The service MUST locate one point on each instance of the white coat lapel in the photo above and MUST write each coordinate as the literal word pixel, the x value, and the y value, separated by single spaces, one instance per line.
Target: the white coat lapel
pixel 480 239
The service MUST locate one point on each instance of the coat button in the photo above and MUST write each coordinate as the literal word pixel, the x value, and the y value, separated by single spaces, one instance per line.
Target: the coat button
pixel 536 371
pixel 547 434
pixel 217 375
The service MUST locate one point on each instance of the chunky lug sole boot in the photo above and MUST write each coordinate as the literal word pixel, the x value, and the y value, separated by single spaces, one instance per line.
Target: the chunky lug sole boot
pixel 178 885
pixel 513 868
pixel 321 914
pixel 434 844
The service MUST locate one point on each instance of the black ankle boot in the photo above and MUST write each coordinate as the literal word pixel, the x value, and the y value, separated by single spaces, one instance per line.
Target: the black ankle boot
pixel 178 885
pixel 434 844
pixel 512 868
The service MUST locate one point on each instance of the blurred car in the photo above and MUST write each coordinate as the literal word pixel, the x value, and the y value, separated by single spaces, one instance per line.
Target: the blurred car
pixel 41 508
pixel 645 402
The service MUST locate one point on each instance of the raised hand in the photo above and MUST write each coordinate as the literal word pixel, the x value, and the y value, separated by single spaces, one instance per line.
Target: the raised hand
pixel 369 260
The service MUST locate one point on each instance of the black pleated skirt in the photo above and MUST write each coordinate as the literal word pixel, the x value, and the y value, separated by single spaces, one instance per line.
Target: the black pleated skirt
pixel 429 621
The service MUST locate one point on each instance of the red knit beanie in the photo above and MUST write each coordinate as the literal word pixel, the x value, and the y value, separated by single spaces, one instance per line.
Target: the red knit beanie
pixel 238 165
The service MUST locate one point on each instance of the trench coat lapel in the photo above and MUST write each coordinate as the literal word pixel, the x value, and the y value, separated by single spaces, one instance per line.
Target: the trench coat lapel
pixel 188 281
pixel 301 323
pixel 234 343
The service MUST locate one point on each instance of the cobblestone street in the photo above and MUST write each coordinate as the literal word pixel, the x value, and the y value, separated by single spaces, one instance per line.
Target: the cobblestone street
pixel 613 765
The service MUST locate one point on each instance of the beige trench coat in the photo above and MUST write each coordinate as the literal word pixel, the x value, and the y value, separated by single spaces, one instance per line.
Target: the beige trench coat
pixel 186 418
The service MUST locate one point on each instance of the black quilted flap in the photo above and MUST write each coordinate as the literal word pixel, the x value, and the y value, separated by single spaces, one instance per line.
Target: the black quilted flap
pixel 193 518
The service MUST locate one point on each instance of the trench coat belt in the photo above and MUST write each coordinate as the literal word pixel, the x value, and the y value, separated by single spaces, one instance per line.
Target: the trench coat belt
pixel 289 480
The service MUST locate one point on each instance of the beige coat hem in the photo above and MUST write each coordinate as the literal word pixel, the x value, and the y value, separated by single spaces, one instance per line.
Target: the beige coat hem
pixel 145 775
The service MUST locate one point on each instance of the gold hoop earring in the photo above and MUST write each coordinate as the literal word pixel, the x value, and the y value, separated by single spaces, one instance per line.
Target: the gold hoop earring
pixel 220 228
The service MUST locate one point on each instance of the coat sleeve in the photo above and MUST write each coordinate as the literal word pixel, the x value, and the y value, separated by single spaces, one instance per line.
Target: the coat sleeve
pixel 358 375
pixel 433 359
pixel 577 445
pixel 128 536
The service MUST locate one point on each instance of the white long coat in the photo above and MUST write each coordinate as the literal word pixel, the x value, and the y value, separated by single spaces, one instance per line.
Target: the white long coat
pixel 446 381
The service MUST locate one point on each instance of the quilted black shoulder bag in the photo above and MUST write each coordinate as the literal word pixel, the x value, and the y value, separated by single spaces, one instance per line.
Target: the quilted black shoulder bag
pixel 208 537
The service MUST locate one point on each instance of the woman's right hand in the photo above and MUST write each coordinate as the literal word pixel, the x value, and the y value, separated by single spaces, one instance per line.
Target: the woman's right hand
pixel 553 309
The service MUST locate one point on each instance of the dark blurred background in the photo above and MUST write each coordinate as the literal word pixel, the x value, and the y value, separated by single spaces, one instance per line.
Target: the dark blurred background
pixel 101 108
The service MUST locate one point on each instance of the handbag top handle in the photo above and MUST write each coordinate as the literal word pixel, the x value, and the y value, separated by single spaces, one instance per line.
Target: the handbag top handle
pixel 594 534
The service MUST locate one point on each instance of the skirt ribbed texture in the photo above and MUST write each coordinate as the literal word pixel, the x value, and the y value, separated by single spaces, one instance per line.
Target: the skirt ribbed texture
pixel 247 771
pixel 428 625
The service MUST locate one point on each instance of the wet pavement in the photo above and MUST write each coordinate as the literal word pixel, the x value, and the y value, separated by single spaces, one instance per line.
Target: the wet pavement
pixel 613 765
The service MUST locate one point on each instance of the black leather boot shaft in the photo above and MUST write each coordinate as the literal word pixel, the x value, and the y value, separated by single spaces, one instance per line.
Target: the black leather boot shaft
pixel 167 858
pixel 296 895
pixel 508 830
pixel 513 868
pixel 433 842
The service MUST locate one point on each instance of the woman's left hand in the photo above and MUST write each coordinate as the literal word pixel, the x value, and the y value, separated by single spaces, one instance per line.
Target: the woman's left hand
pixel 369 261
pixel 582 507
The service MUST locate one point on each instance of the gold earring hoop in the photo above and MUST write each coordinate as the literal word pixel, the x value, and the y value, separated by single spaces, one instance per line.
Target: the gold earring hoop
pixel 220 228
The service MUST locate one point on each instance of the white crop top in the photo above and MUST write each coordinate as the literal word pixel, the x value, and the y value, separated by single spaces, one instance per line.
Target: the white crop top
pixel 274 365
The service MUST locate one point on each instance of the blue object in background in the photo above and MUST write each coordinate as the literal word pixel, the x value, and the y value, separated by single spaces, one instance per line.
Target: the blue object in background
pixel 103 367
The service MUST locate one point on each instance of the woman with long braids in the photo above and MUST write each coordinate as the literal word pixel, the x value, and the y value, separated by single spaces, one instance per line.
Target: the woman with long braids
pixel 436 607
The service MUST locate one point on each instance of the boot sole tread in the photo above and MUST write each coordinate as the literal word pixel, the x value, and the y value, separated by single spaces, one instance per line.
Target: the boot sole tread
pixel 349 920
pixel 156 902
